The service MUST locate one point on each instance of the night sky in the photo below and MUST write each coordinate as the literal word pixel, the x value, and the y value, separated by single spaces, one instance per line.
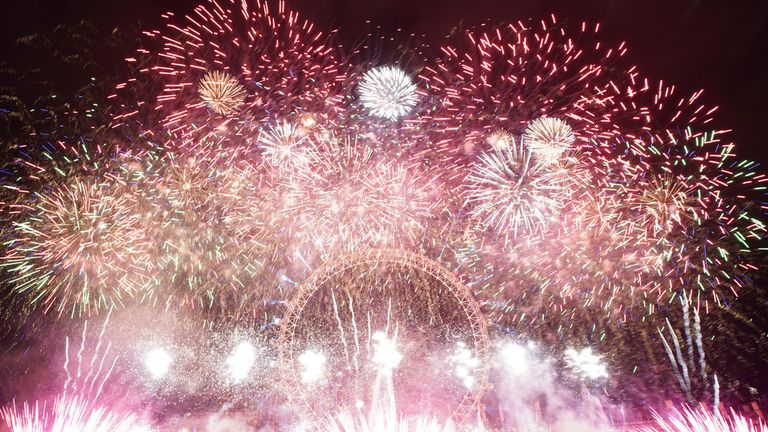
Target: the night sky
pixel 717 45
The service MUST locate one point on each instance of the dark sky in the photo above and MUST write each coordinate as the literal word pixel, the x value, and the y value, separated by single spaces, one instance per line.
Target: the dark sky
pixel 718 45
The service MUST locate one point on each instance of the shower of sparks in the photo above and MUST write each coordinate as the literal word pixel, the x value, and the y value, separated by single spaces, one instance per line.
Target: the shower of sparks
pixel 586 364
pixel 702 419
pixel 312 366
pixel 240 362
pixel 68 414
pixel 158 362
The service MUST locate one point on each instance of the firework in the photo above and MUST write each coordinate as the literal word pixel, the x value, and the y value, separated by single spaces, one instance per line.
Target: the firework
pixel 548 138
pixel 349 198
pixel 646 185
pixel 665 204
pixel 501 140
pixel 68 413
pixel 204 216
pixel 79 246
pixel 240 362
pixel 267 176
pixel 225 50
pixel 221 92
pixel 702 419
pixel 679 198
pixel 345 421
pixel 586 364
pixel 512 194
pixel 284 145
pixel 387 92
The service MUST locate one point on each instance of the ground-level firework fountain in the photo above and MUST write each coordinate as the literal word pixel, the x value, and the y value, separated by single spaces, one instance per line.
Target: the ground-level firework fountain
pixel 258 229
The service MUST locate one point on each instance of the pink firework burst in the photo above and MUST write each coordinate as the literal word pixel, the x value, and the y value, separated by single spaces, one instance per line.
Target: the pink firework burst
pixel 228 66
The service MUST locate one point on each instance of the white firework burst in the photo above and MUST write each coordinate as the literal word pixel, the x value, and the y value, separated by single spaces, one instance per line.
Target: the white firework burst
pixel 221 91
pixel 586 364
pixel 387 92
pixel 548 138
pixel 283 145
pixel 500 139
pixel 512 194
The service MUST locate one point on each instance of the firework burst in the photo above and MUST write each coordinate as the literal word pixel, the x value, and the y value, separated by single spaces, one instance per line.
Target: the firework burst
pixel 78 247
pixel 513 194
pixel 206 224
pixel 388 92
pixel 284 145
pixel 548 138
pixel 222 92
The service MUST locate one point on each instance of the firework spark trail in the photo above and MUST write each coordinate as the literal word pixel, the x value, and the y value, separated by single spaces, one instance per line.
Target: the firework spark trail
pixel 701 419
pixel 700 344
pixel 341 326
pixel 94 372
pixel 355 333
pixel 679 364
pixel 68 413
pixel 88 377
pixel 687 326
